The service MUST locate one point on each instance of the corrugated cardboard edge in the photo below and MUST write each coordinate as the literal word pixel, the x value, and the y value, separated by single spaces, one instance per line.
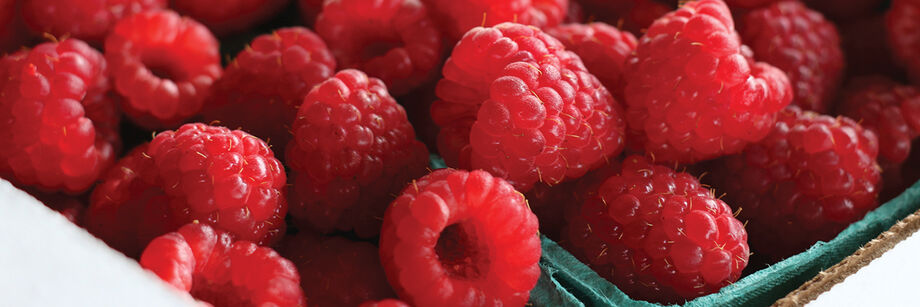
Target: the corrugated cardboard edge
pixel 840 271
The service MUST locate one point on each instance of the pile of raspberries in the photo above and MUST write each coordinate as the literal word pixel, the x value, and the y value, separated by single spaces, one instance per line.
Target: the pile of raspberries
pixel 288 153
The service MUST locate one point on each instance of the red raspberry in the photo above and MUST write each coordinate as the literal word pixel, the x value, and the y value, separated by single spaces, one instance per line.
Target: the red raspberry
pixel 57 126
pixel 458 17
pixel 163 65
pixel 803 44
pixel 903 27
pixel 553 204
pixel 514 102
pixel 811 177
pixel 385 303
pixel 335 271
pixel 457 238
pixel 88 20
pixel 393 40
pixel 215 268
pixel 659 235
pixel 692 95
pixel 602 48
pixel 353 150
pixel 261 90
pixel 224 17
pixel 226 178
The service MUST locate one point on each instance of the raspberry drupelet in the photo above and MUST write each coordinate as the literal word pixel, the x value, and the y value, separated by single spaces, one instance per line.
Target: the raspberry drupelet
pixel 88 20
pixel 809 179
pixel 163 65
pixel 603 49
pixel 393 40
pixel 803 44
pixel 262 88
pixel 692 95
pixel 57 126
pixel 353 151
pixel 658 235
pixel 514 102
pixel 226 17
pixel 458 238
pixel 225 178
pixel 458 17
pixel 903 28
pixel 221 270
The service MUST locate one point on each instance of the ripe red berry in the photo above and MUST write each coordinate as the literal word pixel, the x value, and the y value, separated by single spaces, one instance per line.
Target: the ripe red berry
pixel 225 17
pixel 225 178
pixel 692 95
pixel 385 303
pixel 262 88
pixel 163 65
pixel 602 48
pixel 812 176
pixel 458 17
pixel 514 102
pixel 457 238
pixel 353 150
pixel 87 20
pixel 659 235
pixel 903 28
pixel 216 268
pixel 393 40
pixel 57 126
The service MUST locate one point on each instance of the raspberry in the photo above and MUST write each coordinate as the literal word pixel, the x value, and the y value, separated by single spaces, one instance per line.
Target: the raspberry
pixel 215 268
pixel 692 95
pixel 803 44
pixel 353 150
pixel 393 40
pixel 335 271
pixel 225 17
pixel 458 238
pixel 385 303
pixel 163 65
pixel 903 28
pixel 659 235
pixel 58 127
pixel 514 102
pixel 458 17
pixel 602 48
pixel 88 20
pixel 553 204
pixel 811 177
pixel 262 88
pixel 226 178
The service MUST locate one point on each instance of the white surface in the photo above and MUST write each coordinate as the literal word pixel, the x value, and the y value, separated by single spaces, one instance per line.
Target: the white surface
pixel 47 261
pixel 890 280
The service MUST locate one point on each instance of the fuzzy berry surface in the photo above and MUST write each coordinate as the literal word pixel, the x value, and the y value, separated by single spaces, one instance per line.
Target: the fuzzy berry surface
pixel 163 66
pixel 262 88
pixel 903 28
pixel 458 17
pixel 225 178
pixel 393 40
pixel 335 271
pixel 215 267
pixel 352 151
pixel 514 102
pixel 57 125
pixel 659 235
pixel 89 20
pixel 226 17
pixel 691 93
pixel 809 179
pixel 602 48
pixel 803 44
pixel 458 238
pixel 385 303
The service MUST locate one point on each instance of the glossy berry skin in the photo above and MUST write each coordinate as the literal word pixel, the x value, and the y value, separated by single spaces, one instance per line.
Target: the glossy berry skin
pixel 458 17
pixel 809 179
pixel 458 238
pixel 163 65
pixel 603 49
pixel 262 88
pixel 228 179
pixel 658 235
pixel 225 17
pixel 692 95
pixel 384 303
pixel 393 40
pixel 514 102
pixel 353 150
pixel 57 126
pixel 88 20
pixel 335 271
pixel 217 268
pixel 803 44
pixel 903 28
